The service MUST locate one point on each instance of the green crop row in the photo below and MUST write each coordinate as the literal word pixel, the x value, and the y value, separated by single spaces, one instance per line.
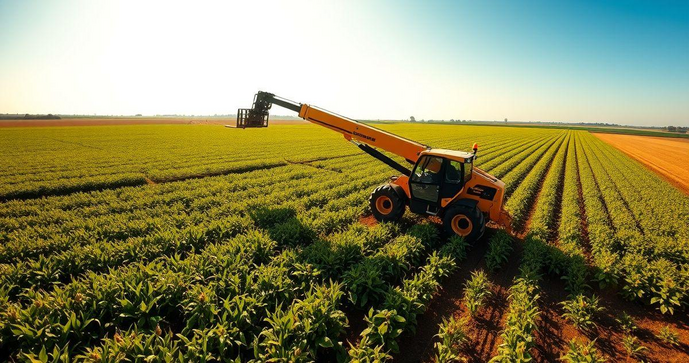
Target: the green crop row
pixel 499 250
pixel 263 264
pixel 247 265
pixel 159 153
pixel 653 267
pixel 42 322
pixel 528 186
pixel 73 231
pixel 64 160
pixel 658 195
pixel 560 260
pixel 511 157
pixel 570 239
pixel 520 325
pixel 517 337
pixel 402 305
pixel 309 329
pixel 103 255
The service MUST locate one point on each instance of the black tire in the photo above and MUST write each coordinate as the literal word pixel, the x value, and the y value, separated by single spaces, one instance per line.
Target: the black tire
pixel 386 204
pixel 464 221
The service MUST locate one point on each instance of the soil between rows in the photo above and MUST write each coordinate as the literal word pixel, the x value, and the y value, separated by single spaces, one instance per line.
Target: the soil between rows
pixel 484 329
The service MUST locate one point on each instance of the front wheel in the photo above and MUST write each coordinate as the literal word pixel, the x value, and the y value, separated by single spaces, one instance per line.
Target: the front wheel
pixel 464 221
pixel 386 204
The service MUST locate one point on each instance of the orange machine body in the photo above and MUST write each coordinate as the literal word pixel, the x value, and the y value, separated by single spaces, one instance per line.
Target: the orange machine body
pixel 493 208
pixel 474 196
pixel 411 151
pixel 354 130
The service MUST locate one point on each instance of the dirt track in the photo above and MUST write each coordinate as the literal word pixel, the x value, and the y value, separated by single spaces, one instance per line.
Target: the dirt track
pixel 669 157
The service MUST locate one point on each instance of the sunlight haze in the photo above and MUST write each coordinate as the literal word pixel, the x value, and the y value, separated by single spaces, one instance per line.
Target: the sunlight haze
pixel 616 62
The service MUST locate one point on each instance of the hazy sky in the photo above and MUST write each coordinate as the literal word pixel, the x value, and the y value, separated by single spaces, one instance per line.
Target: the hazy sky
pixel 605 61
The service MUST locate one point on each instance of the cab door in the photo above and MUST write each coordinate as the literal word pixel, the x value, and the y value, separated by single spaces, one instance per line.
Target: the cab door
pixel 453 180
pixel 424 185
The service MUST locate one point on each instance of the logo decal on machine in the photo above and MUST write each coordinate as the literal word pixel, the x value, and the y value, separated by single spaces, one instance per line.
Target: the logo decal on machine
pixel 482 192
pixel 364 136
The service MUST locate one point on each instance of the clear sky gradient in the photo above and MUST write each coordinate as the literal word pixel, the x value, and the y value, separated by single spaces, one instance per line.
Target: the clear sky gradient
pixel 621 62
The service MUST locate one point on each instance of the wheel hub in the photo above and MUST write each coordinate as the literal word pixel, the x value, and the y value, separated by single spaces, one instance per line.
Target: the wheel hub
pixel 462 225
pixel 384 204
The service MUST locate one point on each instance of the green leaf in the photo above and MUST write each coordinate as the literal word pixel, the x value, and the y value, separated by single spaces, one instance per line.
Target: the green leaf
pixel 43 356
pixel 66 327
pixel 383 328
pixel 325 342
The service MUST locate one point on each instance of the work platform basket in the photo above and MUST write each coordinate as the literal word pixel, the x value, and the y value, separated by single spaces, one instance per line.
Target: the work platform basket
pixel 249 117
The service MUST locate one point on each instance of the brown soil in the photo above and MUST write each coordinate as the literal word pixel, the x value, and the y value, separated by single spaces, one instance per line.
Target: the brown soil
pixel 368 220
pixel 586 241
pixel 484 329
pixel 668 157
pixel 87 121
pixel 554 332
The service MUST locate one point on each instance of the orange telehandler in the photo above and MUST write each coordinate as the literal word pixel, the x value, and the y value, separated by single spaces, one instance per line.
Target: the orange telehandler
pixel 442 183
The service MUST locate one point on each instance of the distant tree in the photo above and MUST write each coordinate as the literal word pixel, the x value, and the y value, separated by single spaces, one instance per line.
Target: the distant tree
pixel 505 120
pixel 412 119
pixel 137 115
pixel 672 129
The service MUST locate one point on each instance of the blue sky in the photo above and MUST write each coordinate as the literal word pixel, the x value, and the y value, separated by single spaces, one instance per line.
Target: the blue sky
pixel 600 61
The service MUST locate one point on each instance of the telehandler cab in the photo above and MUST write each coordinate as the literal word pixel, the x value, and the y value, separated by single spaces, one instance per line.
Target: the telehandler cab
pixel 443 183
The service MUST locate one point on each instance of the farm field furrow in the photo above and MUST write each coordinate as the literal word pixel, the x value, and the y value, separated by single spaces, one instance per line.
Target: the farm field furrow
pixel 74 218
pixel 643 211
pixel 647 272
pixel 636 178
pixel 538 196
pixel 657 153
pixel 104 253
pixel 212 255
pixel 520 200
pixel 47 271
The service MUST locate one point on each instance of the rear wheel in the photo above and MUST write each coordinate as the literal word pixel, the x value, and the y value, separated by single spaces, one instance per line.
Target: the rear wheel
pixel 464 221
pixel 386 204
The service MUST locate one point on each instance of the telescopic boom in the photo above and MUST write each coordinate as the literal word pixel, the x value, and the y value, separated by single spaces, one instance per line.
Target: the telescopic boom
pixel 364 136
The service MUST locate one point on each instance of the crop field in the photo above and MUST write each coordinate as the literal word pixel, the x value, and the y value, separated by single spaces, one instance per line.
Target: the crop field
pixel 203 243
pixel 669 157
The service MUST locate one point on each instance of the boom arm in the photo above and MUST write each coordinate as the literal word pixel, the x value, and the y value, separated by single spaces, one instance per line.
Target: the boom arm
pixel 364 136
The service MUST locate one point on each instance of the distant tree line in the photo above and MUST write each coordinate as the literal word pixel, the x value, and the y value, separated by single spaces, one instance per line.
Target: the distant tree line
pixel 678 129
pixel 27 116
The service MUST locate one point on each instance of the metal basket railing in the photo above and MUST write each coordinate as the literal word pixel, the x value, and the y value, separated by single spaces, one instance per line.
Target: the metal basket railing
pixel 249 117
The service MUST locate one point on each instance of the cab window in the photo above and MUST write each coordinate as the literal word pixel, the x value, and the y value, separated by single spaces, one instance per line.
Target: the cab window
pixel 453 174
pixel 467 171
pixel 428 170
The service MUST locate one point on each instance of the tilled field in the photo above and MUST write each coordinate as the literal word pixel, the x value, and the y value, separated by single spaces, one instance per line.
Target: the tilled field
pixel 668 156
pixel 188 242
